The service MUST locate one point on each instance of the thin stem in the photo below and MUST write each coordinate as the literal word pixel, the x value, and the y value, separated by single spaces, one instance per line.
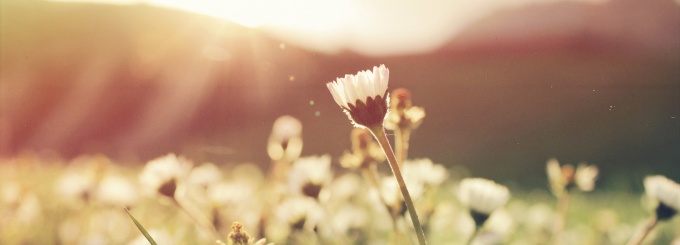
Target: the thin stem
pixel 472 236
pixel 644 231
pixel 560 222
pixel 401 143
pixel 379 134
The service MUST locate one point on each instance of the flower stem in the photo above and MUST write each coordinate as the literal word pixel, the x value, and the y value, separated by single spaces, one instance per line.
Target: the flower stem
pixel 644 231
pixel 379 134
pixel 401 139
pixel 472 236
pixel 371 176
pixel 561 221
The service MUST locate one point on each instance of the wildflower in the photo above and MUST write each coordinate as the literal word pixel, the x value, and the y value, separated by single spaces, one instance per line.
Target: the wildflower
pixel 76 186
pixel 363 96
pixel 365 151
pixel 285 142
pixel 585 177
pixel 300 213
pixel 402 113
pixel 564 178
pixel 204 175
pixel 163 175
pixel 425 171
pixel 309 174
pixel 482 197
pixel 116 191
pixel 666 192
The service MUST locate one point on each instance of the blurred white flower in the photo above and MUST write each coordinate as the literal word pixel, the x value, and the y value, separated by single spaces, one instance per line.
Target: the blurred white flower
pixel 425 171
pixel 162 175
pixel 667 192
pixel 230 193
pixel 363 96
pixel 116 191
pixel 76 185
pixel 585 177
pixel 285 140
pixel 309 174
pixel 565 177
pixel 299 213
pixel 29 210
pixel 204 175
pixel 389 189
pixel 482 197
pixel 345 187
pixel 10 193
pixel 350 217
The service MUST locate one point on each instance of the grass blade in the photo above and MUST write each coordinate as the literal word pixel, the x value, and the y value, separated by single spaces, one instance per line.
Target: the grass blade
pixel 141 228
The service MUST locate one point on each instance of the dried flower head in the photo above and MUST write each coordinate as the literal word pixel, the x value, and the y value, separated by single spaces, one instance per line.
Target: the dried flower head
pixel 162 175
pixel 363 96
pixel 402 113
pixel 482 197
pixel 365 150
pixel 286 139
pixel 238 236
pixel 666 192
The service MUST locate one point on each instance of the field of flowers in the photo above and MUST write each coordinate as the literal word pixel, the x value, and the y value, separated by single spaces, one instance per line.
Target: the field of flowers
pixel 369 195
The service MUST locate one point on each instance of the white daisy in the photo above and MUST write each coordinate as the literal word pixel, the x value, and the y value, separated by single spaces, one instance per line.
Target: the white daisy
pixel 425 171
pixel 116 191
pixel 286 139
pixel 482 197
pixel 667 192
pixel 363 96
pixel 162 175
pixel 585 177
pixel 309 174
pixel 205 175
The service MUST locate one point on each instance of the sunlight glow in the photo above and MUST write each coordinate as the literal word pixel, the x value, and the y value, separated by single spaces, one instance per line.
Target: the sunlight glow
pixel 379 27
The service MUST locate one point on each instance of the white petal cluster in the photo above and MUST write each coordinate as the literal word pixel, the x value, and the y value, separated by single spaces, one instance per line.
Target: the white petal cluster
pixel 117 191
pixel 585 177
pixel 425 171
pixel 205 175
pixel 663 189
pixel 365 84
pixel 163 170
pixel 314 169
pixel 482 195
pixel 286 127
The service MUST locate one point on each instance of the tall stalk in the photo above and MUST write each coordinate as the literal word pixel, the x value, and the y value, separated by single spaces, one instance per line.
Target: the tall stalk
pixel 379 134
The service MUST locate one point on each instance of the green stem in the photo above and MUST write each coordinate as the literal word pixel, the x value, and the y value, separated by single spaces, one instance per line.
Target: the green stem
pixel 644 231
pixel 379 134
